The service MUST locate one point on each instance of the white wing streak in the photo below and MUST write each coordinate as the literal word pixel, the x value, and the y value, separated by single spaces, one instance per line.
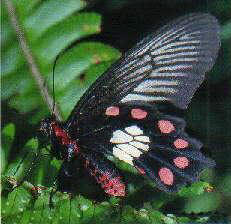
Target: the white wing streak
pixel 151 89
pixel 168 65
pixel 174 54
pixel 156 82
pixel 181 60
pixel 181 53
pixel 132 97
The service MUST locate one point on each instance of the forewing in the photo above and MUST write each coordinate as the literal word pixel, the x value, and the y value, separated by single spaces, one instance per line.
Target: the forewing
pixel 168 65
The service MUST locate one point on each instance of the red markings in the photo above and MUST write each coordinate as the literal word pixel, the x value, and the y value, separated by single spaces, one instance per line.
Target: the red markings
pixel 38 188
pixel 180 143
pixel 60 134
pixel 63 137
pixel 141 170
pixel 112 186
pixel 112 111
pixel 165 126
pixel 138 113
pixel 115 187
pixel 181 162
pixel 166 176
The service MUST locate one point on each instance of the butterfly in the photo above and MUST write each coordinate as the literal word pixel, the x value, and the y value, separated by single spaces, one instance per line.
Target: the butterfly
pixel 118 116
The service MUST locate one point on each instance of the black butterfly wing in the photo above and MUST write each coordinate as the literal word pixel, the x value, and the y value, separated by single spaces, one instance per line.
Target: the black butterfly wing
pixel 154 143
pixel 167 65
pixel 117 114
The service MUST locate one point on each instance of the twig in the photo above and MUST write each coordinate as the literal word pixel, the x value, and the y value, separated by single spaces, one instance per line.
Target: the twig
pixel 30 60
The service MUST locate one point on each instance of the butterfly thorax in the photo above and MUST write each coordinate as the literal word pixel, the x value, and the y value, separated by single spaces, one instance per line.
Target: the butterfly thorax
pixel 62 146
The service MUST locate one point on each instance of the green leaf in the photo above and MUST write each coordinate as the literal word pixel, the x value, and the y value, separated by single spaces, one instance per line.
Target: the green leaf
pixel 7 33
pixel 226 31
pixel 25 7
pixel 156 217
pixel 170 219
pixel 26 104
pixel 76 62
pixel 22 162
pixel 72 28
pixel 7 135
pixel 12 87
pixel 15 205
pixel 195 189
pixel 12 60
pixel 225 185
pixel 183 220
pixel 206 202
pixel 43 17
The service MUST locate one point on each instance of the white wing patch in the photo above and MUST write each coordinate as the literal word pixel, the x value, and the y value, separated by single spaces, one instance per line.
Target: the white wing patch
pixel 134 130
pixel 142 138
pixel 121 155
pixel 120 137
pixel 129 144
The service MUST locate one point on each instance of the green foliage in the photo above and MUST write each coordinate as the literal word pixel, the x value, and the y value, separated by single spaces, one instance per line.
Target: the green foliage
pixel 50 27
pixel 48 32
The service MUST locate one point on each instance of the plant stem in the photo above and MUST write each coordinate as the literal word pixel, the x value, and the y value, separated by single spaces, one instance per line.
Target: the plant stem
pixel 30 60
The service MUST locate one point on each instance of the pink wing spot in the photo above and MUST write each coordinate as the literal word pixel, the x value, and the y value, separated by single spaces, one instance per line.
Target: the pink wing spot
pixel 138 113
pixel 180 143
pixel 112 111
pixel 165 126
pixel 181 162
pixel 166 176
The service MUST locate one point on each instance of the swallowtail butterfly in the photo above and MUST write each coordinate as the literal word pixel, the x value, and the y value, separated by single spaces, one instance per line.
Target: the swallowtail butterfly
pixel 118 116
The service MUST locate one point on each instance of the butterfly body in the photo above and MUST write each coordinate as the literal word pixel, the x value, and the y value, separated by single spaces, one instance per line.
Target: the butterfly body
pixel 118 116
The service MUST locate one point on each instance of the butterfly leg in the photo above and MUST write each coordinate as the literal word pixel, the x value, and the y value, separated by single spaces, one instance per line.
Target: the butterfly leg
pixel 105 174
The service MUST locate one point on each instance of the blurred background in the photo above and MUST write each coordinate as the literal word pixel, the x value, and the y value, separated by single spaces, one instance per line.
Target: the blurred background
pixel 90 36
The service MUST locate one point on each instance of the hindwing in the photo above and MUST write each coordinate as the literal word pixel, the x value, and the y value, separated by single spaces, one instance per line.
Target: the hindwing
pixel 155 144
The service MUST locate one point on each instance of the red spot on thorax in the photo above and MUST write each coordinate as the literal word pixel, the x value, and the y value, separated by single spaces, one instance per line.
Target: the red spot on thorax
pixel 112 111
pixel 165 126
pixel 181 162
pixel 138 113
pixel 180 143
pixel 166 176
pixel 63 137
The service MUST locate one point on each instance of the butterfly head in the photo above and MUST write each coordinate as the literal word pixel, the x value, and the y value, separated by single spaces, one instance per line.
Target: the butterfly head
pixel 63 147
